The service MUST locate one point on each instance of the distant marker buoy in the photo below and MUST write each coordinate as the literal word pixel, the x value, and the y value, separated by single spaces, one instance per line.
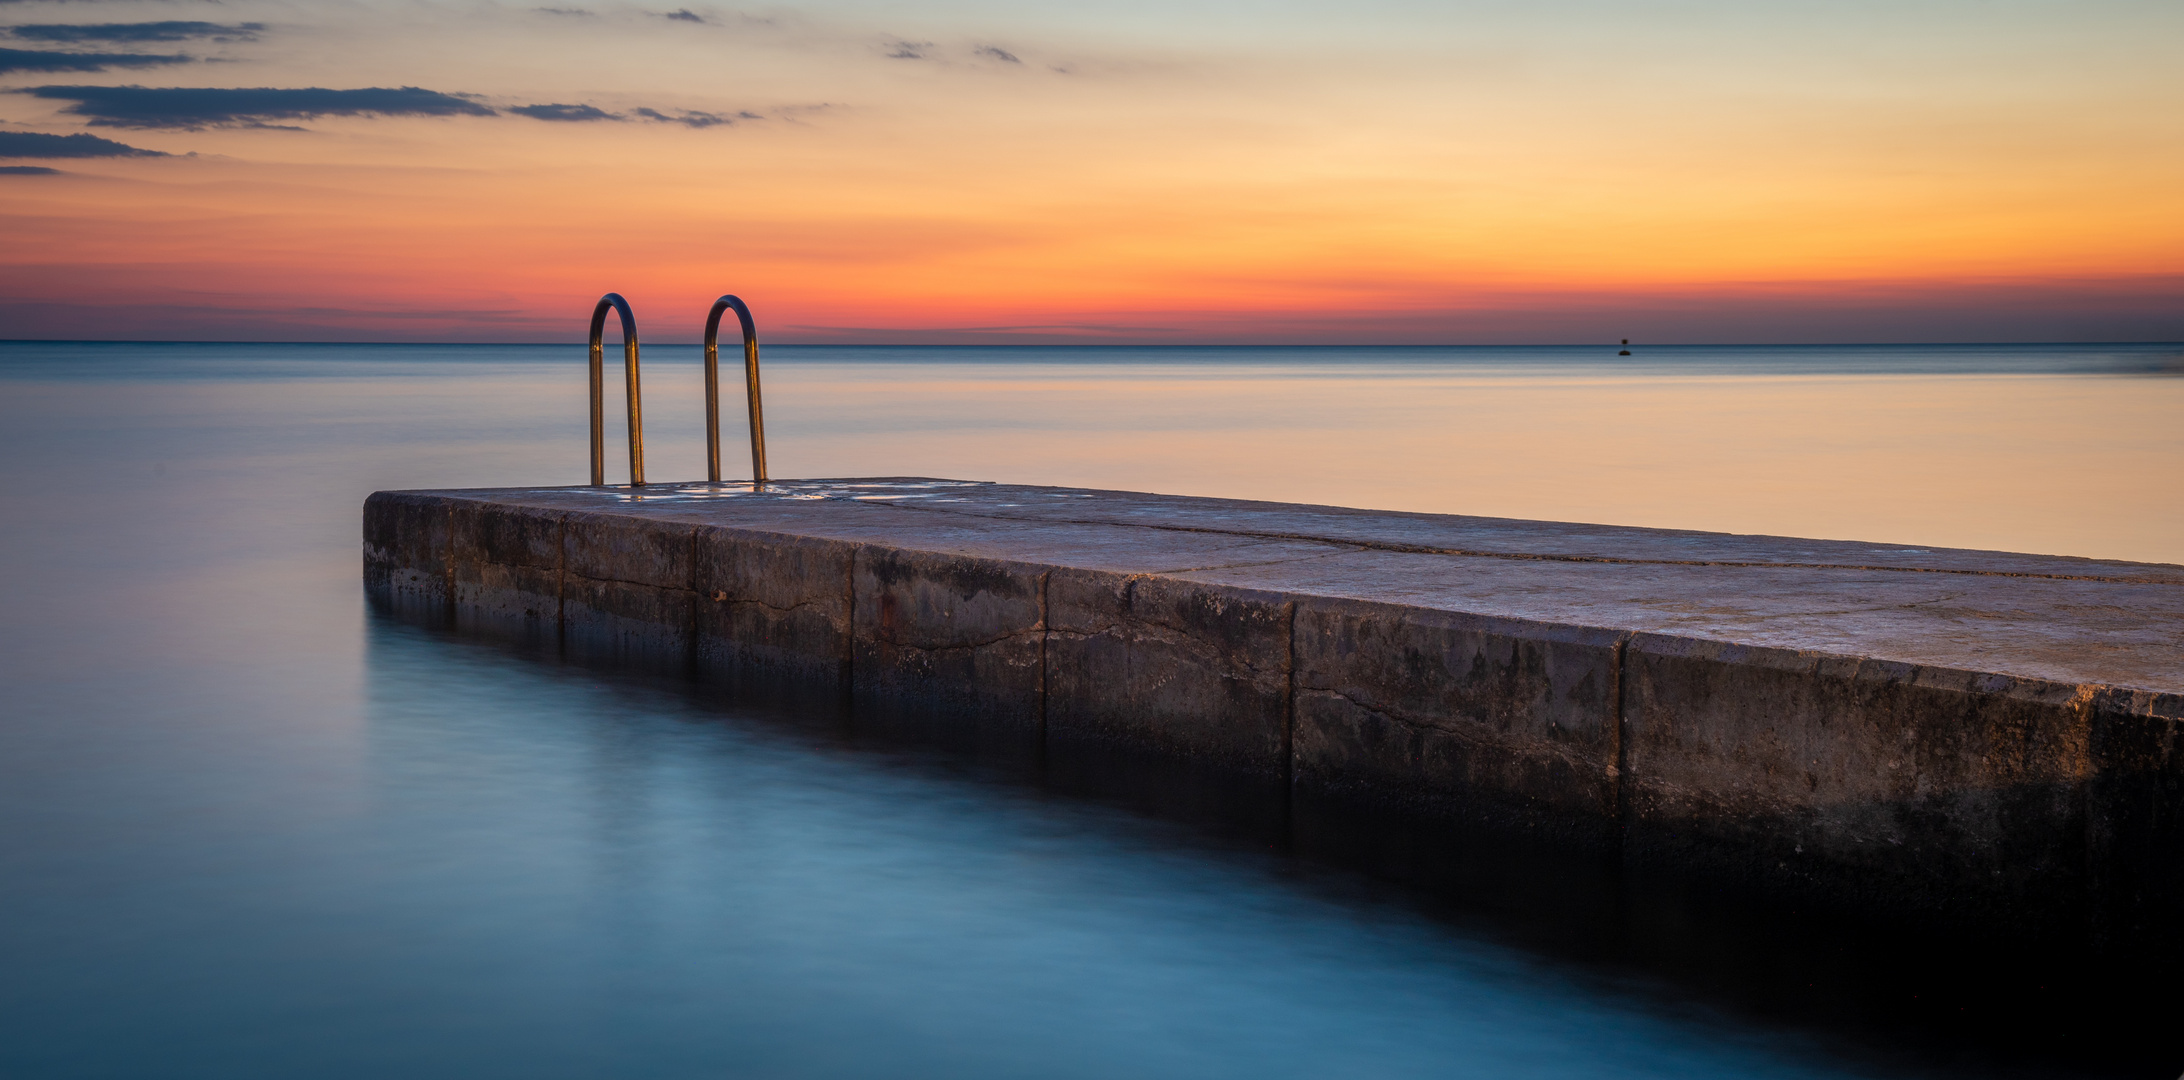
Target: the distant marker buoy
pixel 1626 348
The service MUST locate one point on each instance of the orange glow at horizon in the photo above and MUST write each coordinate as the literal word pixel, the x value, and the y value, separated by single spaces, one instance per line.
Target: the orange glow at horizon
pixel 1380 191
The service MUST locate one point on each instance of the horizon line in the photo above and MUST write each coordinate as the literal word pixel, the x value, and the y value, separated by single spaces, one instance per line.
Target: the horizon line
pixel 1130 345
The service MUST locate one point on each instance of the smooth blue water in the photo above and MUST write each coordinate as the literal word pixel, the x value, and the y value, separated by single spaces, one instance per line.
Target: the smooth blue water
pixel 250 829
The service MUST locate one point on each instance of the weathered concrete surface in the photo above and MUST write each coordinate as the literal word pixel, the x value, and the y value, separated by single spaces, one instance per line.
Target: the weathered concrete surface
pixel 1989 741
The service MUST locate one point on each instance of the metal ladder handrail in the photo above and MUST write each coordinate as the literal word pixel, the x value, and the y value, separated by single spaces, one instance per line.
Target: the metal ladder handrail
pixel 712 387
pixel 599 394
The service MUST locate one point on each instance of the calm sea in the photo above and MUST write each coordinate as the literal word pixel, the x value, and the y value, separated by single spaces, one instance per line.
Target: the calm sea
pixel 250 829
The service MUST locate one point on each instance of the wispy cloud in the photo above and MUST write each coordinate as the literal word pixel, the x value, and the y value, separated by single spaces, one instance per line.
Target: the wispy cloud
pixel 196 107
pixel 1079 330
pixel 687 117
pixel 40 60
pixel 900 49
pixel 684 15
pixel 696 119
pixel 565 112
pixel 997 53
pixel 563 11
pixel 27 170
pixel 142 31
pixel 1074 328
pixel 34 144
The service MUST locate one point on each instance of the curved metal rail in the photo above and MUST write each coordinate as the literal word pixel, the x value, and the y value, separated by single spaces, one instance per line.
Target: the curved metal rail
pixel 712 386
pixel 599 395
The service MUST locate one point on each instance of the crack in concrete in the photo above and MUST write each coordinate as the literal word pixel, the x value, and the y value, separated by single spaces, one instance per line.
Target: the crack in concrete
pixel 1471 733
pixel 627 581
pixel 720 597
pixel 983 643
pixel 1135 630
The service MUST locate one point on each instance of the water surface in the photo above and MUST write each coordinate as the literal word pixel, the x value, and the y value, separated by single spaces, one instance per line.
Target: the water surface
pixel 247 828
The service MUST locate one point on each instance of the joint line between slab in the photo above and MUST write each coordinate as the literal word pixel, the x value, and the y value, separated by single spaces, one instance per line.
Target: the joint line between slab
pixel 1422 549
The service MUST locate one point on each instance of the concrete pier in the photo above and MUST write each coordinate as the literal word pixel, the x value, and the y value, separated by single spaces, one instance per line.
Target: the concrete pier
pixel 1978 741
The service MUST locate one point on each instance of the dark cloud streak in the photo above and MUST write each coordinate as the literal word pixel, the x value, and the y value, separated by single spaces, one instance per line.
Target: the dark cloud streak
pixel 34 144
pixel 565 112
pixel 684 15
pixel 695 119
pixel 1000 54
pixel 144 31
pixel 40 60
pixel 27 170
pixel 191 108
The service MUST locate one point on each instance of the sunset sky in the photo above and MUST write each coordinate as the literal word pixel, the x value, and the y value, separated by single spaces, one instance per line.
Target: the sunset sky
pixel 1370 172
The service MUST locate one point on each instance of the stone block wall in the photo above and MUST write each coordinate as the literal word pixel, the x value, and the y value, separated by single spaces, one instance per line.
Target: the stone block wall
pixel 1972 801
